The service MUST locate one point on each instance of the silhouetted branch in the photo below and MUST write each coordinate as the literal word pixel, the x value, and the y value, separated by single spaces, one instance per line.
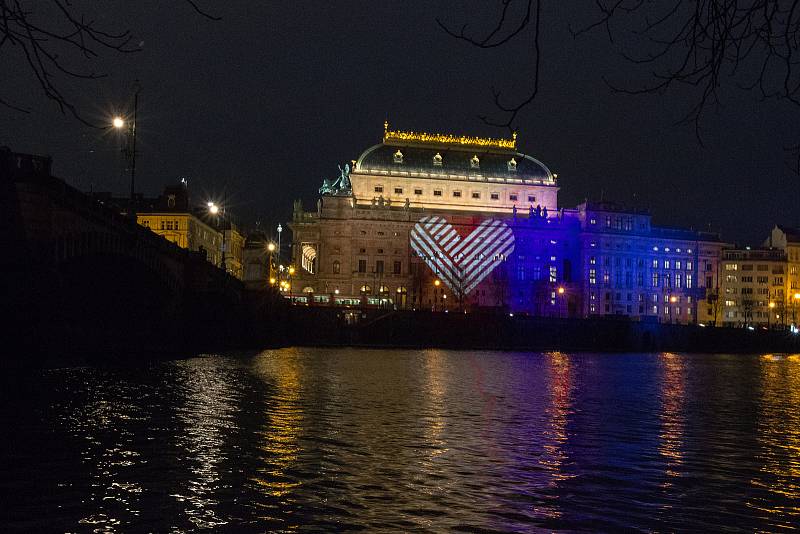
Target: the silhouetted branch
pixel 46 49
pixel 701 44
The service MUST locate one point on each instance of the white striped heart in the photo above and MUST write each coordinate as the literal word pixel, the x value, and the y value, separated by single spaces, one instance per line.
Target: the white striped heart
pixel 461 263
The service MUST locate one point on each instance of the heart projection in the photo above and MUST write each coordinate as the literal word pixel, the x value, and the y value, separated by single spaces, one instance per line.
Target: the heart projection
pixel 462 263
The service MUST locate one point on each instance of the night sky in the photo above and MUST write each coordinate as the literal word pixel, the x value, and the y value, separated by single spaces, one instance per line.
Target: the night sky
pixel 263 104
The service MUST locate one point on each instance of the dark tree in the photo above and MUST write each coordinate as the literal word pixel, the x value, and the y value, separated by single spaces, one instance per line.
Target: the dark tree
pixel 702 45
pixel 56 40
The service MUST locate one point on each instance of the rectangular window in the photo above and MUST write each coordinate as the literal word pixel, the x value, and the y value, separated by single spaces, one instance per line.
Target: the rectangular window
pixel 398 190
pixel 495 196
pixel 417 191
pixel 666 264
pixel 655 264
pixel 457 194
pixel 688 266
pixel 397 267
pixel 512 197
pixel 592 276
pixel 476 195
pixel 362 266
pixel 678 280
pixel 678 264
pixel 553 273
pixel 654 281
pixel 379 266
pixel 531 198
pixel 689 281
pixel 437 192
pixel 379 189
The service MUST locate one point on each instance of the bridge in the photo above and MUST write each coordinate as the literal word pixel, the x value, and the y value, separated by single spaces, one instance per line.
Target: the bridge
pixel 81 277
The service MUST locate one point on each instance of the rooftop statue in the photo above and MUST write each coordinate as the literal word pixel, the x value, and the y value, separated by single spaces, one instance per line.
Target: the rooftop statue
pixel 341 186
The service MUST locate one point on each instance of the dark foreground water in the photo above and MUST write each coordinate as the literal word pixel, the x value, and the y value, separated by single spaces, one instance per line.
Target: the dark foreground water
pixel 390 440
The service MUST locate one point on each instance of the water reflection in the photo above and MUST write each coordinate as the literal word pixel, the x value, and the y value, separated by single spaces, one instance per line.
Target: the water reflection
pixel 779 433
pixel 207 418
pixel 672 398
pixel 278 438
pixel 385 440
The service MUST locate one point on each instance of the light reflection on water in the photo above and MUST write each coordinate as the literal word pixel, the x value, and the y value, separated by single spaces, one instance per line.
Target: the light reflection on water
pixel 337 439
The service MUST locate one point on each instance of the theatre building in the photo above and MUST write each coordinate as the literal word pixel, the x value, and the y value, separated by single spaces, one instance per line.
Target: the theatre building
pixel 456 223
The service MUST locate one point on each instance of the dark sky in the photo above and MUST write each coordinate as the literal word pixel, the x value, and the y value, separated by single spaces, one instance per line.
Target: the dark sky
pixel 266 102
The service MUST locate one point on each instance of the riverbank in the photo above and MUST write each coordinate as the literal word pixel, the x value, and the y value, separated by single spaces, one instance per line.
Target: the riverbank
pixel 420 329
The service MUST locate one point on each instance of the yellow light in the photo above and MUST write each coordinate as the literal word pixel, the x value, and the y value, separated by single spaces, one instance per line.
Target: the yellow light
pixel 271 247
pixel 797 296
pixel 272 281
pixel 336 291
pixel 214 209
pixel 771 304
pixel 291 270
pixel 448 139
pixel 673 299
pixel 437 283
pixel 118 122
pixel 560 290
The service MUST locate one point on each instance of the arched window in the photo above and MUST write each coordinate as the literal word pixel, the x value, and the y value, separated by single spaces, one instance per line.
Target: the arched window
pixel 366 290
pixel 308 289
pixel 337 267
pixel 383 291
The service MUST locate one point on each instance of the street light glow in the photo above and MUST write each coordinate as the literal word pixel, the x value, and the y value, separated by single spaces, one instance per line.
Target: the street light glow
pixel 271 247
pixel 118 122
pixel 437 283
pixel 291 270
pixel 213 208
pixel 560 290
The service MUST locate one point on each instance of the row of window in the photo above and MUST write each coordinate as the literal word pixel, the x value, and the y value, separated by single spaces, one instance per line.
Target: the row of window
pixel 668 310
pixel 397 267
pixel 474 162
pixel 654 263
pixel 165 225
pixel 514 197
pixel 667 280
pixel 749 267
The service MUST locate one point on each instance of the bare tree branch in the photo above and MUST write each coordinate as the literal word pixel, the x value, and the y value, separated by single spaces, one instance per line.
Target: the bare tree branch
pixel 49 51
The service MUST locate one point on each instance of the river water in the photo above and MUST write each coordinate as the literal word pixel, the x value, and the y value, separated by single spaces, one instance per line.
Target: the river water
pixel 397 440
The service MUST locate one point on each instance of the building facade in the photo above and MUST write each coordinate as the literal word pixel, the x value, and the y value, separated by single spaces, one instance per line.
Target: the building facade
pixel 452 223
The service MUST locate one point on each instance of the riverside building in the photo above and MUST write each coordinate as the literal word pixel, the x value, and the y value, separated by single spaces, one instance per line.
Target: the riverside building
pixel 458 223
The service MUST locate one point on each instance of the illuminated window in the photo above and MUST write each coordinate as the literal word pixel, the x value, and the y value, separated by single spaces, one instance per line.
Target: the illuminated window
pixel 655 264
pixel 398 156
pixel 689 266
pixel 678 264
pixel 666 264
pixel 592 221
pixel 689 281
pixel 592 260
pixel 553 273
pixel 437 160
pixel 366 290
pixel 592 276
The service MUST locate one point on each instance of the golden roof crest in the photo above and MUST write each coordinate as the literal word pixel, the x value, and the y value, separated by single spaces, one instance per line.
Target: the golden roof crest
pixel 448 139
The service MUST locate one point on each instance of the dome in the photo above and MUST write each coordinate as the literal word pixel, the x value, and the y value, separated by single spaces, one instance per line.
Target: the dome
pixel 404 152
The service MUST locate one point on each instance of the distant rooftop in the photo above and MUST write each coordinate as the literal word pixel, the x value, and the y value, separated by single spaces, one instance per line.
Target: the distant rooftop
pixel 448 140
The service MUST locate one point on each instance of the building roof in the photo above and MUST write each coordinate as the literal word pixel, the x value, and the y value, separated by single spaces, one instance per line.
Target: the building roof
pixel 792 234
pixel 450 154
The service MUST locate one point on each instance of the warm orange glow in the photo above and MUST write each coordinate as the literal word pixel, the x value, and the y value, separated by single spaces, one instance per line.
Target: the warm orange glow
pixel 560 290
pixel 272 281
pixel 437 283
pixel 797 296
pixel 271 247
pixel 673 299
pixel 291 270
pixel 771 304
pixel 118 122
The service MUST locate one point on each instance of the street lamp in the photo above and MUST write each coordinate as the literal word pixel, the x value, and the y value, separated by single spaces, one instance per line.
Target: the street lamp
pixel 280 229
pixel 119 123
pixel 673 299
pixel 769 314
pixel 215 210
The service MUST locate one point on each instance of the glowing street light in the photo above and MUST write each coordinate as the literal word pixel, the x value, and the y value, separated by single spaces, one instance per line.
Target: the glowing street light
pixel 291 269
pixel 560 290
pixel 437 283
pixel 769 314
pixel 118 123
pixel 271 247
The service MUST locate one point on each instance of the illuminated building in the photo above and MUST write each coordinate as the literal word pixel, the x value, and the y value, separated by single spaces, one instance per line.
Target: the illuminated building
pixel 444 222
pixel 752 287
pixel 172 216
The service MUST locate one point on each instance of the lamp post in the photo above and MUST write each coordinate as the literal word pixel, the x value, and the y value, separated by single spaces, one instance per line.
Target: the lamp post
pixel 436 284
pixel 215 210
pixel 280 229
pixel 271 250
pixel 771 307
pixel 560 301
pixel 673 299
pixel 119 124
